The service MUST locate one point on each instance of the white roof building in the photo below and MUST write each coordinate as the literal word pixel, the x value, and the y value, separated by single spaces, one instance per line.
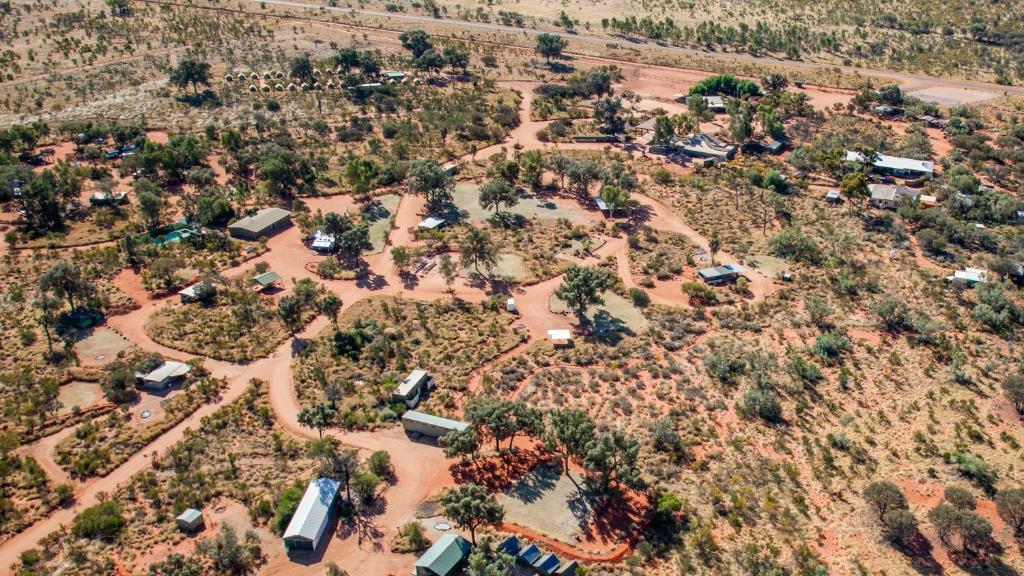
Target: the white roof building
pixel 560 335
pixel 895 164
pixel 970 275
pixel 312 515
pixel 432 223
pixel 165 374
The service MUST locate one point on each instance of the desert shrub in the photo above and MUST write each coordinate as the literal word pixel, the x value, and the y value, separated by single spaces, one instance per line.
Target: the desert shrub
pixel 831 345
pixel 900 526
pixel 959 497
pixel 793 244
pixel 724 366
pixel 803 370
pixel 287 502
pixel 976 469
pixel 700 293
pixel 103 521
pixel 380 464
pixel 1010 507
pixel 639 298
pixel 763 404
pixel 884 496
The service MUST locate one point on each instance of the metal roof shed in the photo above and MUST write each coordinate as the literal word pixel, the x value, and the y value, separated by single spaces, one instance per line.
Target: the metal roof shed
pixel 312 515
pixel 444 556
pixel 190 520
pixel 262 281
pixel 432 223
pixel 263 223
pixel 165 374
pixel 429 425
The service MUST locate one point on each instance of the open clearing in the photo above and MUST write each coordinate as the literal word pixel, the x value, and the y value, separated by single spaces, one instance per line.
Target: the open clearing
pixel 467 198
pixel 549 502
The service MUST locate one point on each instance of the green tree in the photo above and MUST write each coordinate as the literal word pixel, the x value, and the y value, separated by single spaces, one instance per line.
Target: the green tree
pixel 330 306
pixel 319 416
pixel 664 131
pixel 287 504
pixel 615 197
pixel 486 561
pixel 65 280
pixel 569 434
pixel 194 72
pixel 289 308
pixel 1013 387
pixel 302 68
pixel 531 168
pixel 583 288
pixel 364 485
pixel 854 185
pixel 448 270
pixel 612 459
pixel 885 496
pixel 456 57
pixel 550 46
pixel 361 174
pixel 416 41
pixel 497 193
pixel 119 386
pixel 476 250
pixel 228 555
pixel 402 257
pixel 47 313
pixel 333 460
pixel 462 443
pixel 1010 507
pixel 470 506
pixel 431 61
pixel 428 178
pixel 150 207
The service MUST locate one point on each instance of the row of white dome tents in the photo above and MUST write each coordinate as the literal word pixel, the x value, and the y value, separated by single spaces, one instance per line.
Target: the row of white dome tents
pixel 292 87
pixel 387 75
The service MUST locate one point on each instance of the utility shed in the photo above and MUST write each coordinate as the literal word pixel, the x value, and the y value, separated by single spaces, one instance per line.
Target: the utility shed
pixel 417 382
pixel 429 425
pixel 432 223
pixel 720 274
pixel 190 520
pixel 264 223
pixel 312 515
pixel 444 556
pixel 266 280
pixel 166 374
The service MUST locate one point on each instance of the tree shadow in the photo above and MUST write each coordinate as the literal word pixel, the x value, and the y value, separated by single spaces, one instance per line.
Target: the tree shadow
pixel 607 328
pixel 500 471
pixel 370 280
pixel 918 550
pixel 561 67
pixel 409 279
pixel 204 98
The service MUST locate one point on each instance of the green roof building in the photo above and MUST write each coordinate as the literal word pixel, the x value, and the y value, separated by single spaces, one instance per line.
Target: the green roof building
pixel 444 556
